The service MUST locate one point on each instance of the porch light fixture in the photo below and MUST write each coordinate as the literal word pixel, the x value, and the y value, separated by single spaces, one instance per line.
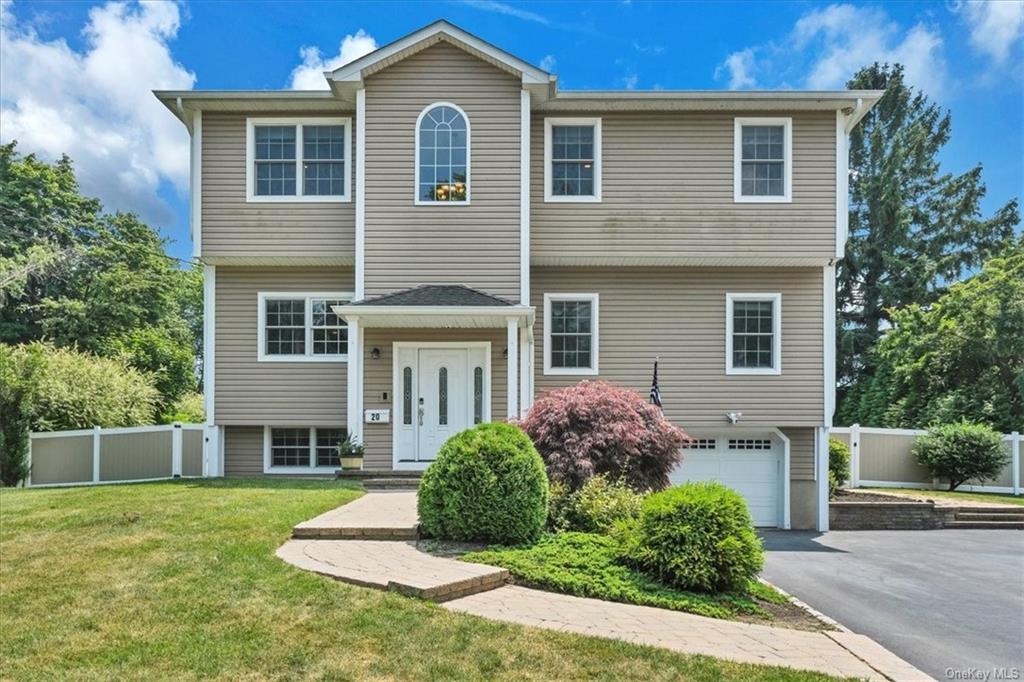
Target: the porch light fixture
pixel 504 353
pixel 375 353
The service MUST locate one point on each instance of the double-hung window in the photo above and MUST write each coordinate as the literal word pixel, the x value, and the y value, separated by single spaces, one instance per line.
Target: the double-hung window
pixel 299 327
pixel 293 159
pixel 570 334
pixel 572 159
pixel 304 449
pixel 753 333
pixel 763 165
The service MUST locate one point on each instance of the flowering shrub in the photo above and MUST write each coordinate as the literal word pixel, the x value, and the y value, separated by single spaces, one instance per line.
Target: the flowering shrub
pixel 595 428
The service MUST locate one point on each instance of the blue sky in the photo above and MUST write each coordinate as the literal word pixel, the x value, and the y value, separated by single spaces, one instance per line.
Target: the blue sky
pixel 76 76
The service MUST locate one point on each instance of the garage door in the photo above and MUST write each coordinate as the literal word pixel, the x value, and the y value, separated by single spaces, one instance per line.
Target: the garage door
pixel 750 465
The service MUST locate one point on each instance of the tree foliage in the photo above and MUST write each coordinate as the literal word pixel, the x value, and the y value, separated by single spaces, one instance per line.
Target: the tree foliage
pixel 961 357
pixel 75 276
pixel 913 227
pixel 962 452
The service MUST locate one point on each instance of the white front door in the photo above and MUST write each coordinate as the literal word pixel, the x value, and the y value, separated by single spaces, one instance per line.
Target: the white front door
pixel 442 401
pixel 440 389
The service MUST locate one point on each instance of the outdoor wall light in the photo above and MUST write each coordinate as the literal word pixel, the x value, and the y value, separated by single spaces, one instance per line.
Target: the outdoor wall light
pixel 375 353
pixel 504 353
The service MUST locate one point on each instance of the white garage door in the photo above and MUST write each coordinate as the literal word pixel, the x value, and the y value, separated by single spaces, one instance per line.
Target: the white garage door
pixel 750 465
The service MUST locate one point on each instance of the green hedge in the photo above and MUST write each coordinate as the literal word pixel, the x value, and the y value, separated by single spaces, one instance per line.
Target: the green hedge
pixel 838 465
pixel 488 484
pixel 597 507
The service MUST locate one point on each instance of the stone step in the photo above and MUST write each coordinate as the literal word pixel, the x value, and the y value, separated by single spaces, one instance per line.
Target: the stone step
pixel 1002 511
pixel 337 533
pixel 1004 525
pixel 988 516
pixel 363 474
pixel 391 483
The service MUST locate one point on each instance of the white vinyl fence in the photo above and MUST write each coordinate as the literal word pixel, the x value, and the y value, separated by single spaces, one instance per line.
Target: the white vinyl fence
pixel 121 455
pixel 882 458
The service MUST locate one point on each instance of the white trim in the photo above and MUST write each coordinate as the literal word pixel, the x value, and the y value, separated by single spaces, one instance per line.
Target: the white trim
pixel 737 160
pixel 1015 462
pixel 353 396
pixel 512 376
pixel 196 184
pixel 360 273
pixel 829 341
pixel 821 476
pixel 112 431
pixel 176 447
pixel 842 184
pixel 916 485
pixel 854 432
pixel 396 390
pixel 525 370
pixel 776 300
pixel 261 330
pixel 593 299
pixel 269 468
pixel 524 197
pixel 209 341
pixel 298 122
pixel 417 201
pixel 549 196
pixel 786 452
pixel 97 438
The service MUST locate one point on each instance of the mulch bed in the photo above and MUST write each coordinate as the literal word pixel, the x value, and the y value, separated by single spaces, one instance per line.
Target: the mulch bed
pixel 857 496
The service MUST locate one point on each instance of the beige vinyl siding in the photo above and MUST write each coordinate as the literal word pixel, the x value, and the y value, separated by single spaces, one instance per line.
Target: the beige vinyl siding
pixel 801 453
pixel 243 451
pixel 378 378
pixel 476 245
pixel 667 191
pixel 679 315
pixel 277 393
pixel 233 228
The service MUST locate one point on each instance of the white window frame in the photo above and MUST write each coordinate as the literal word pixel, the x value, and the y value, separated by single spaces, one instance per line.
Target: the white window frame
pixel 261 333
pixel 594 336
pixel 549 124
pixel 776 300
pixel 298 197
pixel 416 158
pixel 312 468
pixel 787 166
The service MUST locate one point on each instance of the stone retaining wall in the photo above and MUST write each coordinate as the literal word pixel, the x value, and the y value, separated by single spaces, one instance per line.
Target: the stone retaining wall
pixel 887 516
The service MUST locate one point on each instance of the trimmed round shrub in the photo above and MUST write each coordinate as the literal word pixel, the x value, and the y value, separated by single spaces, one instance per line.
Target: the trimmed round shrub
pixel 597 507
pixel 596 428
pixel 696 536
pixel 961 452
pixel 838 465
pixel 487 484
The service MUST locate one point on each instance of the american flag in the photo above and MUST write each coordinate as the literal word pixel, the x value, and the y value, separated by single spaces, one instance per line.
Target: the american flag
pixel 655 391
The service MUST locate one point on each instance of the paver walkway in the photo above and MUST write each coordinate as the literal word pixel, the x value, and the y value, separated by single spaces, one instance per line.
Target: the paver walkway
pixel 482 591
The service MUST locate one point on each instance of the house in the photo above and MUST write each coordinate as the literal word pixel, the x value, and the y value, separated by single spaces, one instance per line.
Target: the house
pixel 441 234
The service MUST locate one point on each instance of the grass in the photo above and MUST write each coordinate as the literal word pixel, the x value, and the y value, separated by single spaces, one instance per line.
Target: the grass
pixel 1002 498
pixel 584 564
pixel 179 580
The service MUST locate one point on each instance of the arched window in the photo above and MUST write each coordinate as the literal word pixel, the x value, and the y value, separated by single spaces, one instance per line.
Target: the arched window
pixel 442 155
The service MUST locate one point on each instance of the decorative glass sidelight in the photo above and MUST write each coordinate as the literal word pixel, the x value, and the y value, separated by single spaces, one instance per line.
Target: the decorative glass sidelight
pixel 478 395
pixel 442 396
pixel 407 395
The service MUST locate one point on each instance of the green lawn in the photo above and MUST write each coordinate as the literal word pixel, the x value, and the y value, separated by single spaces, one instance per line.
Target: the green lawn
pixel 179 580
pixel 1000 498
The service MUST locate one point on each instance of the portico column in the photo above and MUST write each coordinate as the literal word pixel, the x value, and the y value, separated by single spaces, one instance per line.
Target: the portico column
pixel 526 370
pixel 353 384
pixel 513 365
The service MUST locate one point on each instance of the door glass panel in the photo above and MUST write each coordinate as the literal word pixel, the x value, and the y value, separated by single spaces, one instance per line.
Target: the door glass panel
pixel 478 395
pixel 407 395
pixel 442 396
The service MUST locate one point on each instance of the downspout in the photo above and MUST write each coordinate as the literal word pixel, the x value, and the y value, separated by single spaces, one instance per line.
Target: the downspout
pixel 854 117
pixel 187 120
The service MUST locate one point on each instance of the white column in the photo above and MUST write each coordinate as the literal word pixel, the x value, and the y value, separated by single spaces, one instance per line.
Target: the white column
pixel 524 197
pixel 821 453
pixel 525 370
pixel 1015 462
pixel 176 450
pixel 513 364
pixel 360 226
pixel 96 437
pixel 213 447
pixel 855 456
pixel 353 384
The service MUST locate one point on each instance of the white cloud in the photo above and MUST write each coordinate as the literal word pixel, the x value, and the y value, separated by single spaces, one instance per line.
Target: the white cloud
pixel 507 10
pixel 96 105
pixel 827 46
pixel 995 26
pixel 630 81
pixel 548 62
pixel 310 74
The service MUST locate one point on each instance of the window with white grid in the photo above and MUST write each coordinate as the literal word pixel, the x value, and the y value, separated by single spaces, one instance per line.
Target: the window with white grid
pixel 298 159
pixel 301 327
pixel 572 159
pixel 570 334
pixel 763 160
pixel 753 333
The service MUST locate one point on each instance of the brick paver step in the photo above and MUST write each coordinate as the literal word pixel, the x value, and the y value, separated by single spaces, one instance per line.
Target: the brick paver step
pixel 378 515
pixel 988 516
pixel 1002 525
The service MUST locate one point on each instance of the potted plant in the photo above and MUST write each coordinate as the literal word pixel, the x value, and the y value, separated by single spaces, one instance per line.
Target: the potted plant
pixel 350 453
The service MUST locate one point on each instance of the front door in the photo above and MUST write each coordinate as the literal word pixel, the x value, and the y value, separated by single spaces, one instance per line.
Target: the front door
pixel 442 402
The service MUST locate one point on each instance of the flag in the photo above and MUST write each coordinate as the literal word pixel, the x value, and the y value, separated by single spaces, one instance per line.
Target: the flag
pixel 655 391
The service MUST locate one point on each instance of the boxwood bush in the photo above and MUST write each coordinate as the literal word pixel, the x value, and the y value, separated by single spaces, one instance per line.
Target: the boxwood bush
pixel 697 536
pixel 838 465
pixel 487 484
pixel 597 507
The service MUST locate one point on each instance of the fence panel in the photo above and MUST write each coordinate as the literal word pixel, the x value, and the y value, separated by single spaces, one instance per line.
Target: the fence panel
pixel 135 456
pixel 62 459
pixel 888 457
pixel 192 451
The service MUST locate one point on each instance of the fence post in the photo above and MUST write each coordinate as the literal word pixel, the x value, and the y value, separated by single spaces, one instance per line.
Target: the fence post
pixel 1015 465
pixel 176 436
pixel 27 483
pixel 855 456
pixel 96 436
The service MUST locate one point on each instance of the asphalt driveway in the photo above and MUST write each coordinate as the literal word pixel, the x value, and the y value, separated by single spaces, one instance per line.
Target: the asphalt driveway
pixel 943 600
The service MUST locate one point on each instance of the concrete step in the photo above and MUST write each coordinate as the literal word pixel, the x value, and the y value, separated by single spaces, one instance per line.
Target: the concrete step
pixel 391 484
pixel 988 516
pixel 363 474
pixel 337 533
pixel 1003 525
pixel 1012 511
